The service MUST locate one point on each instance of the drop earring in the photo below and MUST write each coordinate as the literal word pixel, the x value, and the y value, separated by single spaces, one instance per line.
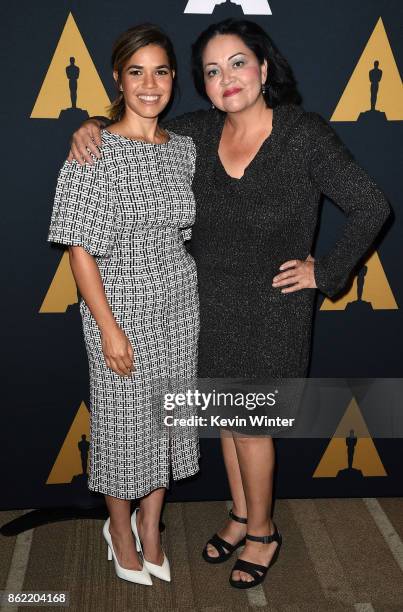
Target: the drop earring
pixel 263 88
pixel 212 106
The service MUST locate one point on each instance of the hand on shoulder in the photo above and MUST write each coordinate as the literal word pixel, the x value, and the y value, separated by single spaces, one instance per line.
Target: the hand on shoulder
pixel 85 142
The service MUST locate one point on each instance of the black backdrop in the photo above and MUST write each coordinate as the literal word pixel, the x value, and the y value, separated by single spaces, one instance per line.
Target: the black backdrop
pixel 331 47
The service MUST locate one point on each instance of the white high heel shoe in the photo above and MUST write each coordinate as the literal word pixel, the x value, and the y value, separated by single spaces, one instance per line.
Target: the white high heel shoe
pixel 160 571
pixel 140 576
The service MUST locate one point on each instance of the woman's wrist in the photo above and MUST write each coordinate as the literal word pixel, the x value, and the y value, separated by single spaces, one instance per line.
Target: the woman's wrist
pixel 108 326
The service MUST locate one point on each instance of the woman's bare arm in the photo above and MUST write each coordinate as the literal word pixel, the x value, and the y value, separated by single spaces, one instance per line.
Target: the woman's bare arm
pixel 87 138
pixel 116 346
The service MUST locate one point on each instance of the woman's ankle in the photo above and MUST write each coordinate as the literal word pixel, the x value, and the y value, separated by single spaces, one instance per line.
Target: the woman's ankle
pixel 261 529
pixel 120 532
pixel 239 510
pixel 145 525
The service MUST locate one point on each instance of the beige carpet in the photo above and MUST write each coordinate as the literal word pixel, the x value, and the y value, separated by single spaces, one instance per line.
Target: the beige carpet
pixel 337 555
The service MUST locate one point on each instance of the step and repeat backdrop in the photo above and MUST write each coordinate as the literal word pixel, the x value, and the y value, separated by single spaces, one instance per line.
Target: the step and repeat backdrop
pixel 346 56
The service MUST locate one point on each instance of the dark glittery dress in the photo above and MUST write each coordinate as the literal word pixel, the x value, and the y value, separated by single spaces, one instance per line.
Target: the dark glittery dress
pixel 246 228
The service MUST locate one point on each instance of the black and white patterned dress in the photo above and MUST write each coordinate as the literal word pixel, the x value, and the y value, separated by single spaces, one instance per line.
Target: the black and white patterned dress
pixel 132 210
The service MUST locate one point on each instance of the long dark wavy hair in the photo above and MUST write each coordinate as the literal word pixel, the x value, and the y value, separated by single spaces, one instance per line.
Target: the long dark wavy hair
pixel 281 86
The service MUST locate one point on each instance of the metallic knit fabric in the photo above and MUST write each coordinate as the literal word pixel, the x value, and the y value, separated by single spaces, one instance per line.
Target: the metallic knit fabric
pixel 246 228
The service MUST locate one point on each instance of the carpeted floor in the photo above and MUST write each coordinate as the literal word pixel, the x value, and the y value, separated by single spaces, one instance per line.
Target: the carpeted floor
pixel 337 555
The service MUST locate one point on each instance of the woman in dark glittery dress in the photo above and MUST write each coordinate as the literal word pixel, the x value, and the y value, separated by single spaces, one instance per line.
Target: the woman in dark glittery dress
pixel 262 164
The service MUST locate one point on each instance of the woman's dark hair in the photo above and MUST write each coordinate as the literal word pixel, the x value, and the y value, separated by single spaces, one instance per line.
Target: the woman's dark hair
pixel 128 43
pixel 281 87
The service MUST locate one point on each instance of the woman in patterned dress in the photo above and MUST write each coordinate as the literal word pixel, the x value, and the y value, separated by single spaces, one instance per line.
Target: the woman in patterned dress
pixel 125 219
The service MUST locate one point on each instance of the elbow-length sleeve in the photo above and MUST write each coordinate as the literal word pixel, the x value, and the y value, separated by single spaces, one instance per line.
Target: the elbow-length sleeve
pixel 335 172
pixel 83 211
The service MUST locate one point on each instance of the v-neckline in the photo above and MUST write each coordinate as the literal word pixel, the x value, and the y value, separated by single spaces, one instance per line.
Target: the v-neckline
pixel 265 141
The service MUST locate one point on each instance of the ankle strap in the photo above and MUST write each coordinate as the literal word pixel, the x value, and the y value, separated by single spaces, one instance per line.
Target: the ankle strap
pixel 274 537
pixel 237 518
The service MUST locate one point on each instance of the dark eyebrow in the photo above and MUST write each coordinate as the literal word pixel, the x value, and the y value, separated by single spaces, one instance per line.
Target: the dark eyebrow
pixel 239 53
pixel 141 67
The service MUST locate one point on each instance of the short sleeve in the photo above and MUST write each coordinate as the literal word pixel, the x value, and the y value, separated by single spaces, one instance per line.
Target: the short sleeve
pixel 334 170
pixel 83 211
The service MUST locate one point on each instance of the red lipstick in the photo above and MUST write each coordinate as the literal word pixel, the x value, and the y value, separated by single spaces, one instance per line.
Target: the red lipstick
pixel 231 92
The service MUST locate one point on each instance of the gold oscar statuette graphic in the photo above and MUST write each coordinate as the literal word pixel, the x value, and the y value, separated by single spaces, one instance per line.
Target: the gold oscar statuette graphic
pixel 72 86
pixel 71 463
pixel 351 453
pixel 62 291
pixel 370 291
pixel 374 90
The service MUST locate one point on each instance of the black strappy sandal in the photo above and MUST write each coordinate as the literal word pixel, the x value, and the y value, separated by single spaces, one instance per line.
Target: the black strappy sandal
pixel 224 548
pixel 254 569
